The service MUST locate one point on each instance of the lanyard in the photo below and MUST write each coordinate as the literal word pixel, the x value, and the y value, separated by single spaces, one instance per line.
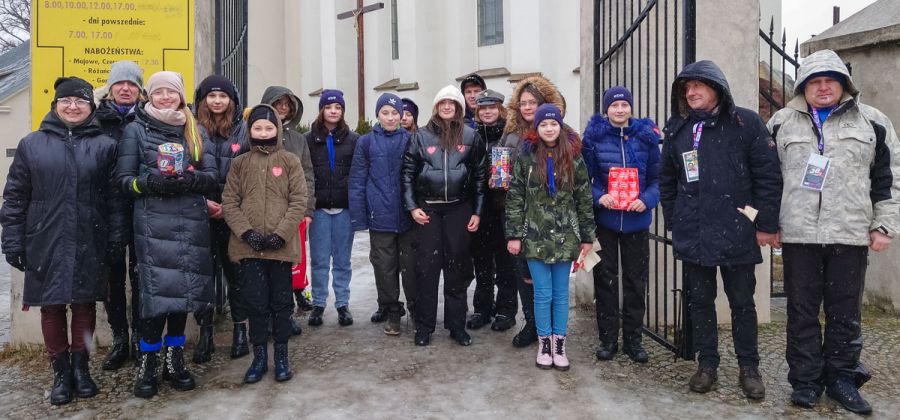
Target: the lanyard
pixel 815 117
pixel 698 131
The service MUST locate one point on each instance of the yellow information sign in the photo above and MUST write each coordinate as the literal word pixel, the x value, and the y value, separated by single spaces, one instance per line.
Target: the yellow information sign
pixel 83 38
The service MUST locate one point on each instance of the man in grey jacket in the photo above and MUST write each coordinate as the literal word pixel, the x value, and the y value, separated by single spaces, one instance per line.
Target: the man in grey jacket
pixel 840 160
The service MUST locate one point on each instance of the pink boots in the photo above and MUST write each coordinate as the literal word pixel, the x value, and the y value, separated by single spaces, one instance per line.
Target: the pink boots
pixel 544 356
pixel 560 361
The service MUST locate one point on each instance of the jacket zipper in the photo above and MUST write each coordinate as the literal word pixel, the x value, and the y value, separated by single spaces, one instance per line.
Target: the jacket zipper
pixel 815 128
pixel 446 176
pixel 624 165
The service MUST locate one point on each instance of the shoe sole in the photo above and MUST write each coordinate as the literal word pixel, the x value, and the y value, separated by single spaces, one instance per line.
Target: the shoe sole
pixel 561 368
pixel 701 390
pixel 285 378
pixel 183 388
pixel 312 323
pixel 345 324
pixel 147 395
pixel 755 396
pixel 391 333
pixel 861 412
pixel 543 367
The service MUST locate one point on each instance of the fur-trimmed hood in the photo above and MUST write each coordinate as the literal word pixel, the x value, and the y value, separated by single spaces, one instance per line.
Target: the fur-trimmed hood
pixel 547 89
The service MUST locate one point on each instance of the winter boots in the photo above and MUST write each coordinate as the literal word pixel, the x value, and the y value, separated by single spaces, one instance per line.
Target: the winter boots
pixel 239 346
pixel 751 383
pixel 635 350
pixel 84 384
pixel 205 345
pixel 527 335
pixel 295 327
pixel 173 367
pixel 259 366
pixel 545 353
pixel 560 360
pixel 392 326
pixel 703 379
pixel 478 320
pixel 118 352
pixel 302 301
pixel 607 351
pixel 145 383
pixel 378 316
pixel 345 318
pixel 315 317
pixel 63 381
pixel 282 367
pixel 503 322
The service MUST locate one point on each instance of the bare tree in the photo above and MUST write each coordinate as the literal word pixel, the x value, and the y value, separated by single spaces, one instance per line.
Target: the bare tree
pixel 15 23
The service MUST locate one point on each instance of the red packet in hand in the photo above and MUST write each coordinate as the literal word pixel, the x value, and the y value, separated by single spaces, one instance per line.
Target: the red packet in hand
pixel 623 186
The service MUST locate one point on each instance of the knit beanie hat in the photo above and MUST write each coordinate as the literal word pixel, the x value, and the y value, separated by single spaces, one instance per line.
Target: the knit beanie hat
pixel 547 111
pixel 262 113
pixel 616 93
pixel 216 83
pixel 125 71
pixel 829 74
pixel 391 100
pixel 331 96
pixel 452 93
pixel 409 105
pixel 73 86
pixel 472 79
pixel 167 79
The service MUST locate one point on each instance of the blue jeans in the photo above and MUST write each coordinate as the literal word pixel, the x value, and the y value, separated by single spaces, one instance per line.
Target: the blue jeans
pixel 551 296
pixel 330 244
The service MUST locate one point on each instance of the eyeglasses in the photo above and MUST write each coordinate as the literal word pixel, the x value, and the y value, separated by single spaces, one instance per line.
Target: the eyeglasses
pixel 163 92
pixel 527 103
pixel 80 103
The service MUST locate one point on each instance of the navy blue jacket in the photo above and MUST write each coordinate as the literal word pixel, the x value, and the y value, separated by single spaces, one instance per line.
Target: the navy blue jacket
pixel 635 146
pixel 375 192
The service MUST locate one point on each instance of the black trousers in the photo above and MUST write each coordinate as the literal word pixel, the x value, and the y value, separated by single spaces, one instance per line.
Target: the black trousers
pixel 224 272
pixel 443 248
pixel 268 293
pixel 391 257
pixel 116 304
pixel 635 257
pixel 494 265
pixel 152 328
pixel 740 284
pixel 834 275
pixel 526 290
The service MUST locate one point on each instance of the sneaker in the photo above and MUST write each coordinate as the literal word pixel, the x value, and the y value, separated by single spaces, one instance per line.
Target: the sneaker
pixel 560 360
pixel 345 318
pixel 315 317
pixel 544 358
pixel 751 383
pixel 477 320
pixel 462 337
pixel 844 391
pixel 503 323
pixel 703 380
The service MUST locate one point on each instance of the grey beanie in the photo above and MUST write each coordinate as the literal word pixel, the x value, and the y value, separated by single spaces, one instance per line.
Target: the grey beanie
pixel 125 70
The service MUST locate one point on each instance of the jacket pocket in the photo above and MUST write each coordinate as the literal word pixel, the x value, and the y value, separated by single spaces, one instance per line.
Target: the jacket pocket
pixel 794 152
pixel 858 146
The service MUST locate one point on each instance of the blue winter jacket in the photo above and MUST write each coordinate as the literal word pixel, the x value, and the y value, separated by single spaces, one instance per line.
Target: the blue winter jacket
pixel 635 146
pixel 374 184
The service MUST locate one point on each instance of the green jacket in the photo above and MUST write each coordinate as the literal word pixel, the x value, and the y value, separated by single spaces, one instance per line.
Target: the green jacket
pixel 551 228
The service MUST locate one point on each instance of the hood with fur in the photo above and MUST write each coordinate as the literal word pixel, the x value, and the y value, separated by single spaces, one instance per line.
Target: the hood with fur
pixel 547 89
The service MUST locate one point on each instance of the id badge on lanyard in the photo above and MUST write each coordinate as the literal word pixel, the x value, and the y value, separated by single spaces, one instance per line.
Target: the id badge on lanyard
pixel 691 161
pixel 817 166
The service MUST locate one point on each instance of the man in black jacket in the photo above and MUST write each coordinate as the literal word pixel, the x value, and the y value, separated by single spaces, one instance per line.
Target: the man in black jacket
pixel 719 167
pixel 115 111
pixel 471 86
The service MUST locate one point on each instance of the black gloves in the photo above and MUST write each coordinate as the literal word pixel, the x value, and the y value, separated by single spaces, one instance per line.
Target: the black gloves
pixel 17 260
pixel 157 184
pixel 188 182
pixel 254 239
pixel 274 242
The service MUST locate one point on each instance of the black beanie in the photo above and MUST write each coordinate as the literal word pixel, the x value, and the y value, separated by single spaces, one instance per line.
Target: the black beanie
pixel 73 86
pixel 216 83
pixel 263 113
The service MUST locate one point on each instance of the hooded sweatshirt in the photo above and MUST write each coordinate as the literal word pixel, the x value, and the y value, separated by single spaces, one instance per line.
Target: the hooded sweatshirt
pixel 265 191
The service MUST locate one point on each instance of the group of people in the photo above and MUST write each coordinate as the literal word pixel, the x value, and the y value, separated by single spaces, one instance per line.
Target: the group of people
pixel 508 195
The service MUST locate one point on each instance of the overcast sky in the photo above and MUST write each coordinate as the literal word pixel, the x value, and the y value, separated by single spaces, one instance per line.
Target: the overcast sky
pixel 803 18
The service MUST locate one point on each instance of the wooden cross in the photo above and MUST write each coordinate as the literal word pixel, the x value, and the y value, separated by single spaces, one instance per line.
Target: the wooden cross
pixel 360 50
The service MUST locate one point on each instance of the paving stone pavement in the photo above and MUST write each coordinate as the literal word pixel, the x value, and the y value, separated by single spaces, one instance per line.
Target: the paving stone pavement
pixel 359 372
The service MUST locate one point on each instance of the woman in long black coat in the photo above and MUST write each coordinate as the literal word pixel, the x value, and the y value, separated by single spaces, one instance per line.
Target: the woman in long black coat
pixel 60 216
pixel 171 227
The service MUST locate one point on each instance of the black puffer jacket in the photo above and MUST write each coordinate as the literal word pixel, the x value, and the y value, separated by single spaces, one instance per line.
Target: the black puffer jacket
pixel 113 124
pixel 738 166
pixel 495 199
pixel 429 173
pixel 225 149
pixel 61 207
pixel 171 233
pixel 331 187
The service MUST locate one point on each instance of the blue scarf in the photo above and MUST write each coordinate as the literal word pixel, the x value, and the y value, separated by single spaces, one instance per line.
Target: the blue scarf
pixel 122 110
pixel 330 142
pixel 551 178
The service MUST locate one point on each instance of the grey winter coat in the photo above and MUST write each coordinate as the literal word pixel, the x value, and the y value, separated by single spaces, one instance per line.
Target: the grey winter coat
pixel 295 141
pixel 862 187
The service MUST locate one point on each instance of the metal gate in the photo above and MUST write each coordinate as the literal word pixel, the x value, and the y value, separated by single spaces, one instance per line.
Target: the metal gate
pixel 642 45
pixel 231 42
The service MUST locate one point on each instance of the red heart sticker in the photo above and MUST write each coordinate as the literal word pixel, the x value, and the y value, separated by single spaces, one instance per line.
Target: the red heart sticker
pixel 235 147
pixel 431 150
pixel 461 148
pixel 276 170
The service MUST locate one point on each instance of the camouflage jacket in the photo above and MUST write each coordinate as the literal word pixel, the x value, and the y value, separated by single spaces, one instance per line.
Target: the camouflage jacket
pixel 551 228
